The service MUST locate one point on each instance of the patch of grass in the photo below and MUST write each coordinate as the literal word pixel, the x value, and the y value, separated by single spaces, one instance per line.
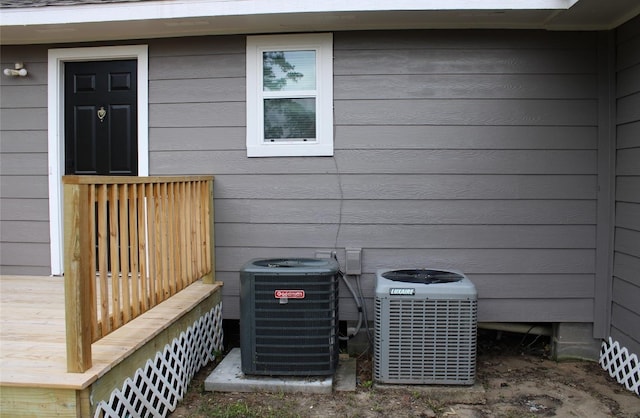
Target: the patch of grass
pixel 367 384
pixel 241 409
pixel 436 406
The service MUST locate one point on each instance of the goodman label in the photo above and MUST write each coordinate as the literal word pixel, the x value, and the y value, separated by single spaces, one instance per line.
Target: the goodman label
pixel 289 294
pixel 402 291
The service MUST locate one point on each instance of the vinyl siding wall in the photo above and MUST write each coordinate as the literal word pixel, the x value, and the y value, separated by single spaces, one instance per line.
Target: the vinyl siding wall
pixel 473 150
pixel 466 150
pixel 24 202
pixel 625 309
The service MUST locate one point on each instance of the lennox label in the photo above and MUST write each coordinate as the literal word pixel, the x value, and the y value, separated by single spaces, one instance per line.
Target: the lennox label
pixel 289 294
pixel 402 291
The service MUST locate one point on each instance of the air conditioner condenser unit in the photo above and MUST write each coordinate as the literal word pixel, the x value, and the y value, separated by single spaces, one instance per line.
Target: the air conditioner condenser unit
pixel 289 317
pixel 425 327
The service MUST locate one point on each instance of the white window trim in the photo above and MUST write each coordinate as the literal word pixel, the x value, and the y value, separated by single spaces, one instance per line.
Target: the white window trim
pixel 57 58
pixel 323 45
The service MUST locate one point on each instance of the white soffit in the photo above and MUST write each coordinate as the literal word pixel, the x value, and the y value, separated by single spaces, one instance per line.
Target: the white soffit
pixel 152 19
pixel 150 10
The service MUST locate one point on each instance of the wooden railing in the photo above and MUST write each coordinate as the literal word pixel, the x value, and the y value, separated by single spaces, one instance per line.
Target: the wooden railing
pixel 130 243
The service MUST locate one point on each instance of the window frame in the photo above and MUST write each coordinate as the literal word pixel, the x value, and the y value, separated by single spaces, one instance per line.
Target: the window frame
pixel 322 43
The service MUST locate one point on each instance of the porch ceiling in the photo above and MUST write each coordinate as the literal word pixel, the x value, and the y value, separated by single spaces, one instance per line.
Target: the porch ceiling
pixel 77 21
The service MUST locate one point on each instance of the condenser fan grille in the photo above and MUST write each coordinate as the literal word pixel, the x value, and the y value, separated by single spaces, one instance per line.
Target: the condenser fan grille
pixel 424 276
pixel 288 262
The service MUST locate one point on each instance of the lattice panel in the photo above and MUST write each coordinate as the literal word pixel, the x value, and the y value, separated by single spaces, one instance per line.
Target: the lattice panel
pixel 621 365
pixel 156 389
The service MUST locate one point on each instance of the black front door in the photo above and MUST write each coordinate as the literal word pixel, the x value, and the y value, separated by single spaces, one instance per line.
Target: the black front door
pixel 101 116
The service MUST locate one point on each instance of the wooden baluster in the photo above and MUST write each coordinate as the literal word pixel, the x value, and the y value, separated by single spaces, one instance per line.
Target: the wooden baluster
pixel 113 256
pixel 93 235
pixel 124 244
pixel 143 254
pixel 133 250
pixel 103 263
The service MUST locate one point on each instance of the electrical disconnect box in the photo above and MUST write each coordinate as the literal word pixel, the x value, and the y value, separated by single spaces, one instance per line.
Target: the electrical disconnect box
pixel 353 265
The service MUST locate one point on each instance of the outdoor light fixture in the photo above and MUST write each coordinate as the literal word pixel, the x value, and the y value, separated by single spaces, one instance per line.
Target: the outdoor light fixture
pixel 18 70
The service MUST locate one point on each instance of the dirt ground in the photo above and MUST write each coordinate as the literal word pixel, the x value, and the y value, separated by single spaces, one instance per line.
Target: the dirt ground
pixel 518 377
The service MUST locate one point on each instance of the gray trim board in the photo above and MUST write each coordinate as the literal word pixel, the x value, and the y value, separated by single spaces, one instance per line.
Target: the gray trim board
pixel 606 181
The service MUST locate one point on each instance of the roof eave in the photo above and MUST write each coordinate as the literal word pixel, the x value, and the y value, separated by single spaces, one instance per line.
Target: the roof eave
pixel 158 19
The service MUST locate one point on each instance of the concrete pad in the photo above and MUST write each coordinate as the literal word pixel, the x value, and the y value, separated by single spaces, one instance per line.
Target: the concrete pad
pixel 470 395
pixel 228 377
pixel 345 376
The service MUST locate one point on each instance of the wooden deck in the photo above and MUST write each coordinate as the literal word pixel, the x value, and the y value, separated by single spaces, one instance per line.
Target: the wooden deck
pixel 33 345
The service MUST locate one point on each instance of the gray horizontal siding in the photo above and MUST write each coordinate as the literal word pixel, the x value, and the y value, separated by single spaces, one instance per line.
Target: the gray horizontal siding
pixel 465 137
pixel 394 59
pixel 409 236
pixel 174 48
pixel 628 45
pixel 182 115
pixel 197 91
pixel 628 189
pixel 467 112
pixel 467 150
pixel 22 96
pixel 23 164
pixel 402 186
pixel 473 150
pixel 469 39
pixel 465 86
pixel 220 138
pixel 629 134
pixel 627 241
pixel 407 212
pixel 14 142
pixel 25 258
pixel 514 262
pixel 625 309
pixel 24 212
pixel 24 209
pixel 196 67
pixel 627 81
pixel 387 162
pixel 628 161
pixel 24 187
pixel 24 231
pixel 223 138
pixel 628 109
pixel 628 216
pixel 24 119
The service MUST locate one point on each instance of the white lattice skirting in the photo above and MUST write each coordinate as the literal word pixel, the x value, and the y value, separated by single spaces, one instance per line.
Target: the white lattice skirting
pixel 621 365
pixel 156 389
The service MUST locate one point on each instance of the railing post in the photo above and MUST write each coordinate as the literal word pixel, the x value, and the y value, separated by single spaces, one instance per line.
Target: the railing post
pixel 77 273
pixel 211 276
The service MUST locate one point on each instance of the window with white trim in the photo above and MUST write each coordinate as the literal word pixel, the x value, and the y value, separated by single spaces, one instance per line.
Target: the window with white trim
pixel 290 95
